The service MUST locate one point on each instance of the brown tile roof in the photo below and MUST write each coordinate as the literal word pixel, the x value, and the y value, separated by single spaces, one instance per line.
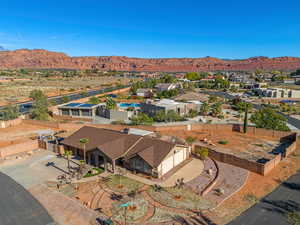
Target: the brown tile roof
pixel 110 142
pixel 116 144
pixel 152 150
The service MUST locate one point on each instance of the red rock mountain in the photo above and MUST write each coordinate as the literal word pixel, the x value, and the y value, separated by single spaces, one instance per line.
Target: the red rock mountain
pixel 39 58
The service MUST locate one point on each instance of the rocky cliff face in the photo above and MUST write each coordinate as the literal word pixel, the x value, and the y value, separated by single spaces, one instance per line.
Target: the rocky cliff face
pixel 24 58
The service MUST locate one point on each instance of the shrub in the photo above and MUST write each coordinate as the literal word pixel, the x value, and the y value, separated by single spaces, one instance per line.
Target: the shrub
pixel 190 139
pixel 202 152
pixel 223 142
pixel 294 218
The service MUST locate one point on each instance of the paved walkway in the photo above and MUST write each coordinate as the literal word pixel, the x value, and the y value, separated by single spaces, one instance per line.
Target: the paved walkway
pixel 231 179
pixel 65 210
pixel 19 207
pixel 189 171
pixel 204 179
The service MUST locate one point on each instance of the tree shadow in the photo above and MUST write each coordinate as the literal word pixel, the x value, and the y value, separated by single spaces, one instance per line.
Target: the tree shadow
pixel 180 220
pixel 282 207
pixel 116 197
pixel 290 185
pixel 206 219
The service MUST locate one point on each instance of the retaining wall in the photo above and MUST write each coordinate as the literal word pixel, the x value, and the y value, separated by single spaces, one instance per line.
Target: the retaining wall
pixel 10 123
pixel 24 147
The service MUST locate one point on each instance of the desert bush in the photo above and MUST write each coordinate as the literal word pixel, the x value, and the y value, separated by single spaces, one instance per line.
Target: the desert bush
pixel 202 152
pixel 223 142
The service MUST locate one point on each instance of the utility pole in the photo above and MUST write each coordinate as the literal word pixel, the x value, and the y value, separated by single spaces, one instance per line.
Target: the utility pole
pixel 246 119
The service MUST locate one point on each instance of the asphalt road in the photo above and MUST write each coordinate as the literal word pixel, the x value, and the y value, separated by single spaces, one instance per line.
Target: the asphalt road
pixel 19 207
pixel 272 209
pixel 26 106
pixel 293 121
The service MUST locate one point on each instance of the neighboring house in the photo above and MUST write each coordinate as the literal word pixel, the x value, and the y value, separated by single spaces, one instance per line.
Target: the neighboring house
pixel 278 93
pixel 167 86
pixel 181 108
pixel 109 149
pixel 144 92
pixel 116 114
pixel 81 110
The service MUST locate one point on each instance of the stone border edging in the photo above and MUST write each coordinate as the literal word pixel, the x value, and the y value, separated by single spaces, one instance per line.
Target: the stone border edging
pixel 229 196
pixel 213 182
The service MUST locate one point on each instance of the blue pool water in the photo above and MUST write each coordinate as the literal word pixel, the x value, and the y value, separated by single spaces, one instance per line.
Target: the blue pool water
pixel 127 105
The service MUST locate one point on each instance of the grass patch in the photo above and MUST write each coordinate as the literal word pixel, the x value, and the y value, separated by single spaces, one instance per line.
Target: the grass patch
pixel 251 198
pixel 223 142
pixel 122 184
pixel 163 216
pixel 180 198
pixel 93 172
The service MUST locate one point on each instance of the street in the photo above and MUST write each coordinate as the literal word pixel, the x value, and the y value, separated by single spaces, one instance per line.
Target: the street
pixel 273 208
pixel 19 207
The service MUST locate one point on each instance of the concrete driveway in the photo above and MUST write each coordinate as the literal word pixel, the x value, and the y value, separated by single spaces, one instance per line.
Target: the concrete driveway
pixel 33 170
pixel 19 207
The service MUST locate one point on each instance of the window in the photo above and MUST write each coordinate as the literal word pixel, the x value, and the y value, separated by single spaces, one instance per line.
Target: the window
pixel 65 112
pixel 75 112
pixel 86 112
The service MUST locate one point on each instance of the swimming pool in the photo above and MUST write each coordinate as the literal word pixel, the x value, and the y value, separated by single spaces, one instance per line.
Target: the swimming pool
pixel 129 105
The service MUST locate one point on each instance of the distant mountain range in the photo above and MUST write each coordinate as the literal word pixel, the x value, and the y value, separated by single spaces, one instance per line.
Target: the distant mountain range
pixel 39 58
pixel 2 48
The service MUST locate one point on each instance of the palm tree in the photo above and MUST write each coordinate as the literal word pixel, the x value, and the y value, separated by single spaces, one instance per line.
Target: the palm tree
pixel 84 141
pixel 68 154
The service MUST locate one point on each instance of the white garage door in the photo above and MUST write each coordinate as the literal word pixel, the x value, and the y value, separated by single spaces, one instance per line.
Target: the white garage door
pixel 167 165
pixel 179 157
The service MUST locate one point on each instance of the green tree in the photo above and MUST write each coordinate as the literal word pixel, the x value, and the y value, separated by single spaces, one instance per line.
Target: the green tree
pixel 168 79
pixel 172 116
pixel 160 116
pixel 192 113
pixel 241 106
pixel 110 103
pixel 202 152
pixel 205 108
pixel 94 100
pixel 269 119
pixel 39 109
pixel 141 118
pixel 10 112
pixel 192 76
pixel 84 142
pixel 221 83
pixel 216 109
pixel 68 154
pixel 212 99
pixel 190 140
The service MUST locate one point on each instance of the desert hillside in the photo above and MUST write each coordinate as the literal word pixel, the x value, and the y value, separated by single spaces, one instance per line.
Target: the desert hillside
pixel 39 58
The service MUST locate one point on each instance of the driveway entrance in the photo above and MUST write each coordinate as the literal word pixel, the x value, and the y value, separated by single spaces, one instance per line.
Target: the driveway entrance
pixel 19 207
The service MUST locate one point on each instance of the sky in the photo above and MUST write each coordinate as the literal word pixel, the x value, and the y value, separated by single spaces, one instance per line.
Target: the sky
pixel 231 29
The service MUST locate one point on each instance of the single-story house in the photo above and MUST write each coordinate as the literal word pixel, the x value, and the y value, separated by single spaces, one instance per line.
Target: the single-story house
pixel 151 108
pixel 110 149
pixel 81 110
pixel 144 92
